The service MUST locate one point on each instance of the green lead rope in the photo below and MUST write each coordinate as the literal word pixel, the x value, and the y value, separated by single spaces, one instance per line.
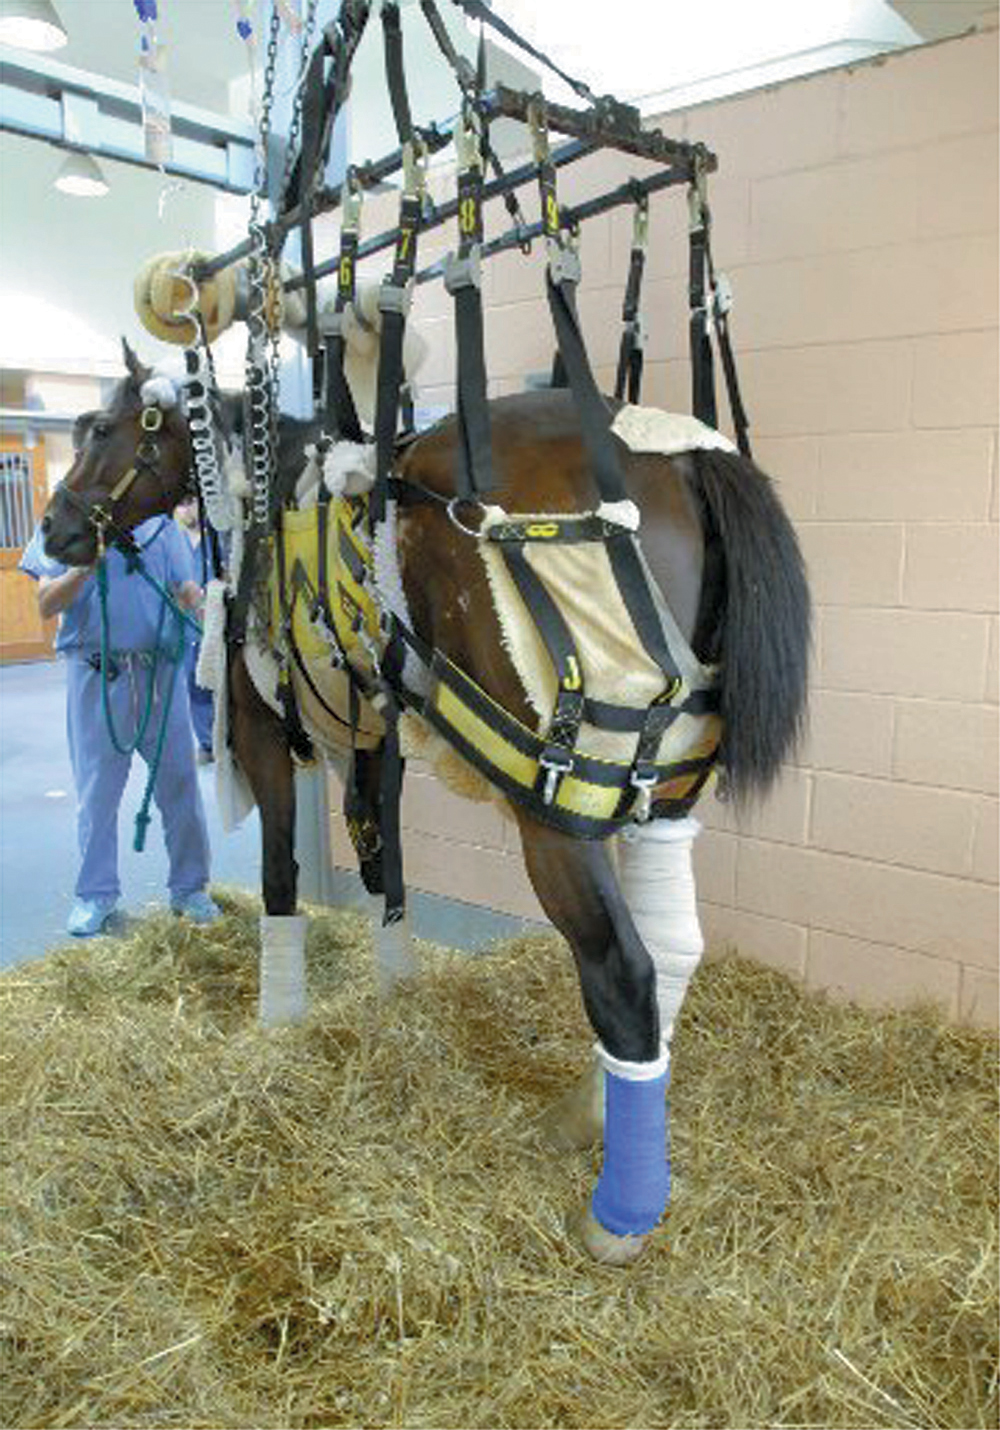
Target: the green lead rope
pixel 167 602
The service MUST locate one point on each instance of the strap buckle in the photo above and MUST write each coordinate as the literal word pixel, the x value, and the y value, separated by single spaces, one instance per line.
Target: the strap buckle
pixel 331 324
pixel 722 295
pixel 564 264
pixel 640 223
pixel 698 212
pixel 415 168
pixel 395 299
pixel 350 203
pixel 462 272
pixel 556 761
pixel 642 777
pixel 467 142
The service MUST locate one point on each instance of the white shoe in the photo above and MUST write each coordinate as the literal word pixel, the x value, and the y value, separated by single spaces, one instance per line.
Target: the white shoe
pixel 88 917
pixel 197 907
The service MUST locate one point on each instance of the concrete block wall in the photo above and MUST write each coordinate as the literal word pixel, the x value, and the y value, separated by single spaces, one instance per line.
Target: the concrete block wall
pixel 856 215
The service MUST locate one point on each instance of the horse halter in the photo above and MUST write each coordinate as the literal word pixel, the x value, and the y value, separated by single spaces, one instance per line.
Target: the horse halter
pixel 101 513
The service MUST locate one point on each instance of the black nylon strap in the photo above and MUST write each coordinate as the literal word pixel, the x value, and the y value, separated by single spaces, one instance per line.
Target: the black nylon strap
pixel 595 418
pixel 561 530
pixel 341 414
pixel 393 38
pixel 475 474
pixel 520 738
pixel 342 421
pixel 558 756
pixel 391 790
pixel 629 376
pixel 478 11
pixel 313 116
pixel 464 72
pixel 322 562
pixel 548 618
pixel 390 364
pixel 390 377
pixel 741 422
pixel 624 719
pixel 703 402
pixel 634 587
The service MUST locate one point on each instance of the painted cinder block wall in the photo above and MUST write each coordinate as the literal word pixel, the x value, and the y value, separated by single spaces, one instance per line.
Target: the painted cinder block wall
pixel 856 215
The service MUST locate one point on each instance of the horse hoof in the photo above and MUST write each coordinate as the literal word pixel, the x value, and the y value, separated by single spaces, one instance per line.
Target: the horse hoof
pixel 576 1121
pixel 603 1245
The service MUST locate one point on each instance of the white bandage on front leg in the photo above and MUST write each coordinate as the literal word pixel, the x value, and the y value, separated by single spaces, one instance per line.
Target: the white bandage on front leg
pixel 282 969
pixel 210 672
pixel 657 883
pixel 395 959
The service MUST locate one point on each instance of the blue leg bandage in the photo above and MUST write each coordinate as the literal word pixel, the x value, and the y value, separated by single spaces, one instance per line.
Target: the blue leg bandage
pixel 634 1185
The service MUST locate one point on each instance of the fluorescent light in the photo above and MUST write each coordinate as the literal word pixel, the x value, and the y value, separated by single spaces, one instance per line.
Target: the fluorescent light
pixel 81 177
pixel 31 25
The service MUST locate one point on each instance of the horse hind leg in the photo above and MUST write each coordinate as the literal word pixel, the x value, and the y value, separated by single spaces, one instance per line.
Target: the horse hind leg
pixel 656 876
pixel 578 889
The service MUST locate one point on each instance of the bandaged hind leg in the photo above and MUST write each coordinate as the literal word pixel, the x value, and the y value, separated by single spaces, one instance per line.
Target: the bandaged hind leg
pixel 657 883
pixel 634 1187
pixel 282 997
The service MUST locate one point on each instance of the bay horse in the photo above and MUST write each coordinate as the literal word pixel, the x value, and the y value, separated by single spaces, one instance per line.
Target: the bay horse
pixel 730 581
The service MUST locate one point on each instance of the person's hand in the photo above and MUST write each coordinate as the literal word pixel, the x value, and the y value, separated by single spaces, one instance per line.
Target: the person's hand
pixel 191 596
pixel 55 593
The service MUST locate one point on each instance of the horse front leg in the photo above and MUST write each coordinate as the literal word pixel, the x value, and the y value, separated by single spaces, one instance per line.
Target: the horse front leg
pixel 576 884
pixel 261 747
pixel 395 961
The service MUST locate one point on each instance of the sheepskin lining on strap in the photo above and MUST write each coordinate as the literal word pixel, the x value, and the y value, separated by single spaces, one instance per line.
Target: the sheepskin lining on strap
pixel 615 667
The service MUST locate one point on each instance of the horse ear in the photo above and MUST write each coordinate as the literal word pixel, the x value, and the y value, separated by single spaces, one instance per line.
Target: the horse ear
pixel 136 369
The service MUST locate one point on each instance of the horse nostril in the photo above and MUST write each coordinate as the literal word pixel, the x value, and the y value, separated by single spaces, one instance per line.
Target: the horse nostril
pixel 46 523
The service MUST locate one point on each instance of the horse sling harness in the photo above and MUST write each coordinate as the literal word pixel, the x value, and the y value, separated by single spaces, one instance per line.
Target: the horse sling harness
pixel 545 769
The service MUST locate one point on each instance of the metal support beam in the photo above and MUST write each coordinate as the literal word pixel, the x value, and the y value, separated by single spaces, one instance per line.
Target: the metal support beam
pixel 74 109
pixel 607 125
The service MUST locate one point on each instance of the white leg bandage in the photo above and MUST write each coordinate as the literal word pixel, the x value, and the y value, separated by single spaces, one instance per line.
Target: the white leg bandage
pixel 282 969
pixel 211 670
pixel 395 960
pixel 657 883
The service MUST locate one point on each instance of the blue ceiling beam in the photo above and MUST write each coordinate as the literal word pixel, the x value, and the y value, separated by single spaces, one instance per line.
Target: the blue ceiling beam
pixel 73 109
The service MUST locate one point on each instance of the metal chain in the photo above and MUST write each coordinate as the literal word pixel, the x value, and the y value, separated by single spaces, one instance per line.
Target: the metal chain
pixel 260 396
pixel 291 145
pixel 295 123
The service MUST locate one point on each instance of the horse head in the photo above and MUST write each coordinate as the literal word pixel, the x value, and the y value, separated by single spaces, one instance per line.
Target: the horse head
pixel 132 460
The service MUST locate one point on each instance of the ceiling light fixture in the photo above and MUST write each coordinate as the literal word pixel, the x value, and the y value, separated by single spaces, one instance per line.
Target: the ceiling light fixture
pixel 31 25
pixel 81 177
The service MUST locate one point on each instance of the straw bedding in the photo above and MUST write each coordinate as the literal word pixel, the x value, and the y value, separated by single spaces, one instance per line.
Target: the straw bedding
pixel 357 1222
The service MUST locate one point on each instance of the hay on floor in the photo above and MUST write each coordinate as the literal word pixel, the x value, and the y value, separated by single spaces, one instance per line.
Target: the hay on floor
pixel 356 1222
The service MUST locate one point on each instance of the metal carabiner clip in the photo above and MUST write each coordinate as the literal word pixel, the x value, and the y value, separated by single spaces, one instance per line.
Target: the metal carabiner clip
pixel 451 509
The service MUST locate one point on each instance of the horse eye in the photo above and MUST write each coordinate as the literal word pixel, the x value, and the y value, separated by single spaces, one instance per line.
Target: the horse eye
pixel 100 430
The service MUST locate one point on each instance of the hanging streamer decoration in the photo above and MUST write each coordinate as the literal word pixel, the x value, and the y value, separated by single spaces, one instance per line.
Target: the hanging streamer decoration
pixel 153 91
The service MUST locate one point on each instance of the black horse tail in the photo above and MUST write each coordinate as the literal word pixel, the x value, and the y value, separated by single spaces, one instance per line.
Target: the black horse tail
pixel 762 621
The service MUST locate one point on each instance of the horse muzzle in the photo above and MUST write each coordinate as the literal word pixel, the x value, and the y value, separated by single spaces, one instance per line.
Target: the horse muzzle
pixel 69 531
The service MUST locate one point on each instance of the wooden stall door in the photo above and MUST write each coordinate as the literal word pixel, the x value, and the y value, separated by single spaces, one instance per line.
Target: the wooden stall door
pixel 23 494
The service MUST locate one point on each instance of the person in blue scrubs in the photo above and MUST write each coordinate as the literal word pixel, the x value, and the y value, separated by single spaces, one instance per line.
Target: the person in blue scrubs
pixel 141 645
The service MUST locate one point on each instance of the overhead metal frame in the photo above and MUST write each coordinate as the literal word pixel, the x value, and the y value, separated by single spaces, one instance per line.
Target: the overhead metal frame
pixel 608 124
pixel 76 110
